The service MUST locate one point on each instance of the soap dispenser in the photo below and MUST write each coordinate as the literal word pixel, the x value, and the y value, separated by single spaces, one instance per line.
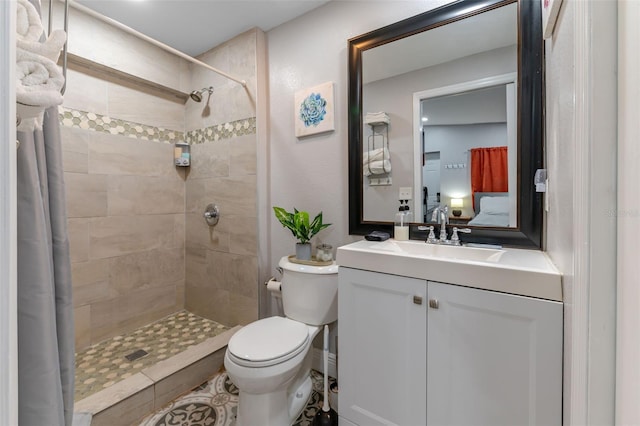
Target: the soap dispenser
pixel 401 222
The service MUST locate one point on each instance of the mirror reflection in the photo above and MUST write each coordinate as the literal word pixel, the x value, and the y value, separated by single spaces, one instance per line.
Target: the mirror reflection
pixel 468 147
pixel 450 137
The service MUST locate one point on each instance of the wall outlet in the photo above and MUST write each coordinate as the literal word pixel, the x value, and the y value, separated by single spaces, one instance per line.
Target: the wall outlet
pixel 405 193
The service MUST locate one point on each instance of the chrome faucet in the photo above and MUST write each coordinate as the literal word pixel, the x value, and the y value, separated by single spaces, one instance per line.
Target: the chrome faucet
pixel 441 215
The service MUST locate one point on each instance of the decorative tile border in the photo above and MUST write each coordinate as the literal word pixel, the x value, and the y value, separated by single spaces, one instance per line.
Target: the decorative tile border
pixel 232 129
pixel 114 126
pixel 101 123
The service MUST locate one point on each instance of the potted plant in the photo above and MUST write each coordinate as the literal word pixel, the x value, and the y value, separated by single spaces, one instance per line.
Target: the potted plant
pixel 299 225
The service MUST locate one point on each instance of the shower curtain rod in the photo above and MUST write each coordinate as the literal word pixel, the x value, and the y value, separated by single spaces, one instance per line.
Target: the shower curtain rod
pixel 155 42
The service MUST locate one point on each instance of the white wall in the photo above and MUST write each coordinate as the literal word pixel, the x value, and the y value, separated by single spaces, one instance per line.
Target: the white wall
pixel 311 173
pixel 8 277
pixel 580 236
pixel 628 338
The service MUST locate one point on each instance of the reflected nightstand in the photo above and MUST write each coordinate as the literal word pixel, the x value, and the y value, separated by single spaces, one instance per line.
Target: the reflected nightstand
pixel 459 220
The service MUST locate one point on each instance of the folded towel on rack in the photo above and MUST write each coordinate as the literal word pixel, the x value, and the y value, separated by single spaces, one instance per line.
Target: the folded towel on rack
pixel 38 84
pixel 377 167
pixel 375 155
pixel 28 23
pixel 39 80
pixel 50 48
pixel 376 117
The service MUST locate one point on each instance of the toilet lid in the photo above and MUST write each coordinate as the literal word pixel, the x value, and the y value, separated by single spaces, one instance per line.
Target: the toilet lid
pixel 268 341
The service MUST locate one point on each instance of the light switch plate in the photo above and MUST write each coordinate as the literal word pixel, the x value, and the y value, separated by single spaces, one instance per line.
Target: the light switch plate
pixel 404 193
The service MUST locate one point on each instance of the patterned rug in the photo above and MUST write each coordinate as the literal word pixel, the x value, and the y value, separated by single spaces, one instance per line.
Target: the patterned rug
pixel 104 364
pixel 215 402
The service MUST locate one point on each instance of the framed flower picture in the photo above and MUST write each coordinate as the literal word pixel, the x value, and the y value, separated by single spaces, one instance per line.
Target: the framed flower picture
pixel 313 110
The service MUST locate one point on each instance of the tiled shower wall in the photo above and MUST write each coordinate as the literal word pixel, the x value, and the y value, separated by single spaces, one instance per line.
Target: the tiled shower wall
pixel 221 261
pixel 126 199
pixel 125 203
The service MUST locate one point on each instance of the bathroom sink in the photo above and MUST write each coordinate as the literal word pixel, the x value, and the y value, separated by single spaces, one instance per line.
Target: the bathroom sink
pixel 516 271
pixel 419 248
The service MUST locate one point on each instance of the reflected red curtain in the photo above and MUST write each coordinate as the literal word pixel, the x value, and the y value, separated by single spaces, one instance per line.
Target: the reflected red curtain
pixel 489 170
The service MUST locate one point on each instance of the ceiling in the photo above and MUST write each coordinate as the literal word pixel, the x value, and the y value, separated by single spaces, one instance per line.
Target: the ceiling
pixel 195 26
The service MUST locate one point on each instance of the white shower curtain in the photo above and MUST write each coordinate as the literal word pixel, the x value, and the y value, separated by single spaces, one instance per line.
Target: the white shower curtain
pixel 45 306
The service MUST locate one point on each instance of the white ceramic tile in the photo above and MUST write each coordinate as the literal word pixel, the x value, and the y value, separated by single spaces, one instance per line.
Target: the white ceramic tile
pixel 139 107
pixel 85 93
pixel 140 195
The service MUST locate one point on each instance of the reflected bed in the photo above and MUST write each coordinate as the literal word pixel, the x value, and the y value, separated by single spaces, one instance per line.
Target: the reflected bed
pixel 491 209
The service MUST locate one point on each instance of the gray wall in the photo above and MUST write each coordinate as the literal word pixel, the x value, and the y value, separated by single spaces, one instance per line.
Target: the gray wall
pixel 311 173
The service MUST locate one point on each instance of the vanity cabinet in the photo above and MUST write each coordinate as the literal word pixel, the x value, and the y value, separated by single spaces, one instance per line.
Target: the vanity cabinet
pixel 415 352
pixel 382 331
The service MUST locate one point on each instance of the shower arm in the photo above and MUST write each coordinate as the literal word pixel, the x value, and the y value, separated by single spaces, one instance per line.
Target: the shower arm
pixel 153 41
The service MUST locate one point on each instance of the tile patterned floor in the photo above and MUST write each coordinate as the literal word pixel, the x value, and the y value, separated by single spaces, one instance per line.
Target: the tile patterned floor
pixel 104 364
pixel 215 402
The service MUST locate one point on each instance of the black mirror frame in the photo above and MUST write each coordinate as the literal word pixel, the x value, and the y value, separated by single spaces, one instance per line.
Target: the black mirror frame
pixel 528 233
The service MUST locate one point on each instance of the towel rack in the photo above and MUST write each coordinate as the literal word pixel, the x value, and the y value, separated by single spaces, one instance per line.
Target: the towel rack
pixel 64 57
pixel 66 31
pixel 371 140
pixel 65 47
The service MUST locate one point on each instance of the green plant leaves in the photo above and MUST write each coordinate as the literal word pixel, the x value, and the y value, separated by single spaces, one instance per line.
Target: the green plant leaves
pixel 298 223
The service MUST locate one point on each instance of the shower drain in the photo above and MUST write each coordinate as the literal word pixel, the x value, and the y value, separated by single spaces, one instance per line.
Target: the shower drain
pixel 136 355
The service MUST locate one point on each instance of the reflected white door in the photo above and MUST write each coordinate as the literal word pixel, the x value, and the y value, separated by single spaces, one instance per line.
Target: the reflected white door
pixel 431 179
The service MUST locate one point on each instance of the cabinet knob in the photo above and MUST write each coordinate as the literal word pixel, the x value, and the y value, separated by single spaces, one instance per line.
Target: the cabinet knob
pixel 434 304
pixel 417 300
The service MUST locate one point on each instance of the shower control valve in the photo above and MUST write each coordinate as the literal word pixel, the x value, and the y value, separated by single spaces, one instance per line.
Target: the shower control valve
pixel 212 214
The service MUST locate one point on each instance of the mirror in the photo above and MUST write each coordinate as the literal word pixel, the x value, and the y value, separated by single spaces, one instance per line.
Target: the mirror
pixel 461 92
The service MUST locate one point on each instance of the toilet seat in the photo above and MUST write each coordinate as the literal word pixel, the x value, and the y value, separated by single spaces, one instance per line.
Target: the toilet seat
pixel 268 342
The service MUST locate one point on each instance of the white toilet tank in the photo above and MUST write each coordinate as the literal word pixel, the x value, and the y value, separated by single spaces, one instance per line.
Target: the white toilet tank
pixel 309 293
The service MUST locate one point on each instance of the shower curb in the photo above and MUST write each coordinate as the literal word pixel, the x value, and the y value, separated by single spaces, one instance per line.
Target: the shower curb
pixel 135 397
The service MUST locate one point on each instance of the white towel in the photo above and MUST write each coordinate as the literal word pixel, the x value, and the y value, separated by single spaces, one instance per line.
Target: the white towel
pixel 38 84
pixel 375 155
pixel 377 168
pixel 31 117
pixel 39 80
pixel 28 25
pixel 50 48
pixel 376 117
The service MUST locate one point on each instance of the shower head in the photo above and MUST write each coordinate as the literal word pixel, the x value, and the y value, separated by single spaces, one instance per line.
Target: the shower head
pixel 196 95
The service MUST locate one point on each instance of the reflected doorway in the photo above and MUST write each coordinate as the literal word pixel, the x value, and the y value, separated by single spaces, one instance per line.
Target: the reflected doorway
pixel 430 183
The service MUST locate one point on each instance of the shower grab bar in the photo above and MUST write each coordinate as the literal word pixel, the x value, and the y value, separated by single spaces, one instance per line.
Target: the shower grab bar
pixel 148 39
pixel 66 43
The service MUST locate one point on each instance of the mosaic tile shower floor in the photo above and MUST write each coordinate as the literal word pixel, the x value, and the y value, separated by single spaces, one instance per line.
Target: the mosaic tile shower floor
pixel 104 364
pixel 215 402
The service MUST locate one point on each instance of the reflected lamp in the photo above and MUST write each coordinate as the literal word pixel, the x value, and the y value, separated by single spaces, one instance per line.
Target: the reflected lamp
pixel 456 205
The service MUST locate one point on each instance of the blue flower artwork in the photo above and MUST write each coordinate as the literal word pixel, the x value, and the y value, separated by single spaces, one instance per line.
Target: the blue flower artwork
pixel 313 109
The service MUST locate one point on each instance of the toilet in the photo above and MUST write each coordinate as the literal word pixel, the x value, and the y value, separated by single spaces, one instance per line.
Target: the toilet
pixel 269 360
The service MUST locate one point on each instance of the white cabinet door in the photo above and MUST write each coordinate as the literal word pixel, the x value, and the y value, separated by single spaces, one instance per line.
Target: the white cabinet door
pixel 382 332
pixel 494 359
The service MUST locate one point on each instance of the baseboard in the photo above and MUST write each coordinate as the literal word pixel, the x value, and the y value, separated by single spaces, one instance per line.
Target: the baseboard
pixel 318 364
